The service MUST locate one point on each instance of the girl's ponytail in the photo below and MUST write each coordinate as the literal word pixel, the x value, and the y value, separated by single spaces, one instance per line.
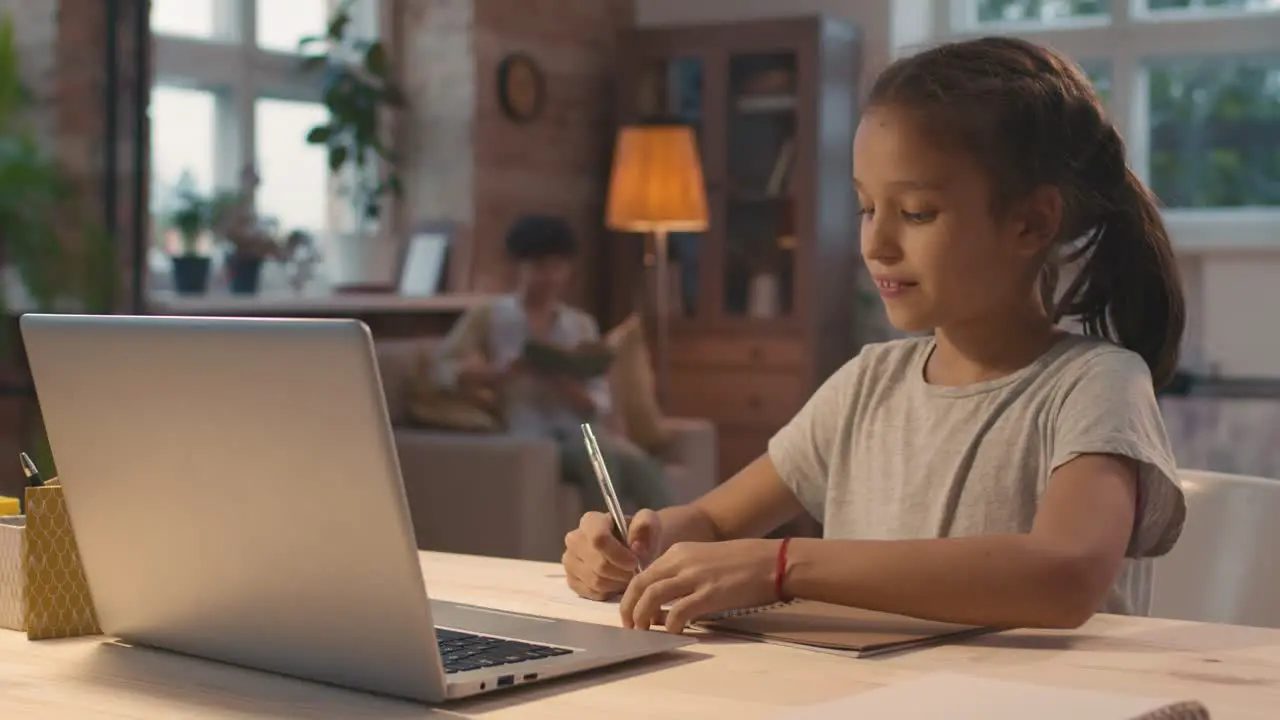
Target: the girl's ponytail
pixel 1128 289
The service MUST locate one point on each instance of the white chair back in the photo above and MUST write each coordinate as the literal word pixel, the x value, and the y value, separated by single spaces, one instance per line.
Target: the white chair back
pixel 1225 567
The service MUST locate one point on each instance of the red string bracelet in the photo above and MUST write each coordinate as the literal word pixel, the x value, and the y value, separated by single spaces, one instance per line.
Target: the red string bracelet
pixel 780 572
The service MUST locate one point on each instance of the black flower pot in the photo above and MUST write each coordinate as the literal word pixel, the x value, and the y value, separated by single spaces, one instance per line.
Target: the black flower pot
pixel 191 274
pixel 244 272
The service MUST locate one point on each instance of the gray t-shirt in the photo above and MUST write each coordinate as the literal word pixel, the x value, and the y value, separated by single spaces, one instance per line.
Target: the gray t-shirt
pixel 878 453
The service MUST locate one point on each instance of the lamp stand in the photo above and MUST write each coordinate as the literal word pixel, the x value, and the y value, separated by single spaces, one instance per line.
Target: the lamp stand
pixel 662 304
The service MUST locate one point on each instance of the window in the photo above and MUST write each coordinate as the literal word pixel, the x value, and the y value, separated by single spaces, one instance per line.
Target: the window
pixel 1193 85
pixel 187 18
pixel 282 23
pixel 1100 75
pixel 292 173
pixel 1202 6
pixel 1214 132
pixel 182 142
pixel 986 12
pixel 229 94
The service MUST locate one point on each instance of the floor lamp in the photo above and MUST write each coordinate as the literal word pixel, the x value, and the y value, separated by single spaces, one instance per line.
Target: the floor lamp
pixel 657 187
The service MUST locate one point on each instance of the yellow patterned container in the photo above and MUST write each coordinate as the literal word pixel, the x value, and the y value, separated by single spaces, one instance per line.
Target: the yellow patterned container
pixel 13 603
pixel 47 575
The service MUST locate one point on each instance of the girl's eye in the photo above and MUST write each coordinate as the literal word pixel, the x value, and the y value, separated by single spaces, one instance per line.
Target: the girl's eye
pixel 866 212
pixel 919 218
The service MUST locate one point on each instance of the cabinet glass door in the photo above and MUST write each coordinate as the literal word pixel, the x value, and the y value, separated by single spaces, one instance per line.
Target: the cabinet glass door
pixel 758 262
pixel 673 88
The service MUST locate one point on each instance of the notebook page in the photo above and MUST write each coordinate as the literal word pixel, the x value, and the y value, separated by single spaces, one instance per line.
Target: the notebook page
pixel 948 696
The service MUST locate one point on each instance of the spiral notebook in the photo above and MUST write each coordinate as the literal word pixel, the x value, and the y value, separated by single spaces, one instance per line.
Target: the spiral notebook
pixel 952 696
pixel 836 629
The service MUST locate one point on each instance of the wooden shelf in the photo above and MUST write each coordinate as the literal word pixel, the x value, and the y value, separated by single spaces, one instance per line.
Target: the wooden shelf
pixel 168 303
pixel 769 284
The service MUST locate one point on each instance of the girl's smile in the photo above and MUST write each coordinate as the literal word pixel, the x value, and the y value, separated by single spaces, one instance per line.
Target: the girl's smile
pixel 892 288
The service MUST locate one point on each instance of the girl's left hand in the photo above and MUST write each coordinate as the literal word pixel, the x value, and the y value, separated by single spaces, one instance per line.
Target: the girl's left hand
pixel 699 579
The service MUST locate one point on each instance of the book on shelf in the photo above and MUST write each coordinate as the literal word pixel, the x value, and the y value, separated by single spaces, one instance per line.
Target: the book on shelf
pixel 781 175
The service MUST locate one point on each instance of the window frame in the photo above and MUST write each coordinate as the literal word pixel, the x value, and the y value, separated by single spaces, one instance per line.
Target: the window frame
pixel 1126 40
pixel 238 73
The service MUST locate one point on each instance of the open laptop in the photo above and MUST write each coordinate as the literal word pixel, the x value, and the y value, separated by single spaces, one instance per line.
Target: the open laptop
pixel 236 495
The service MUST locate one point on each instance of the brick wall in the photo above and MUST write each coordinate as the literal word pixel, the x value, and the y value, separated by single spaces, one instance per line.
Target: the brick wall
pixel 466 162
pixel 62 48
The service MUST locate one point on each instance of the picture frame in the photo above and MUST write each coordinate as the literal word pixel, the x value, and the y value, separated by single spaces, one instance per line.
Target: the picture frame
pixel 522 87
pixel 424 259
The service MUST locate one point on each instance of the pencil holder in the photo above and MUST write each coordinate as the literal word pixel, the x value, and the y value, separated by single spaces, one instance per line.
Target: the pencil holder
pixel 43 590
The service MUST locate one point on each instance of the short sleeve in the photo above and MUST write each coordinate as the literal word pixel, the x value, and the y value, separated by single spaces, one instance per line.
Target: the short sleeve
pixel 801 451
pixel 1111 409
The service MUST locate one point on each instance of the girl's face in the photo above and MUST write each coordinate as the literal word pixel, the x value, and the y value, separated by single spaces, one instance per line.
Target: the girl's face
pixel 936 252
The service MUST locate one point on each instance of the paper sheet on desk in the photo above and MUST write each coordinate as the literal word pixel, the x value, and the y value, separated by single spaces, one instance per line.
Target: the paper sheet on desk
pixel 947 696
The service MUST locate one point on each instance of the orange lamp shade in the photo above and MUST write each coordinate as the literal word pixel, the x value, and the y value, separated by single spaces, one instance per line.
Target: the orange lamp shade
pixel 657 182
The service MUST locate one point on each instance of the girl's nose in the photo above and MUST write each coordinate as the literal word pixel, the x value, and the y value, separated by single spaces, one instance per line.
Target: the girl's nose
pixel 880 241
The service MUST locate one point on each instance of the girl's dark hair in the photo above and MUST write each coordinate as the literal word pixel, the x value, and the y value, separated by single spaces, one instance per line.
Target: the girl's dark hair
pixel 1032 119
pixel 533 237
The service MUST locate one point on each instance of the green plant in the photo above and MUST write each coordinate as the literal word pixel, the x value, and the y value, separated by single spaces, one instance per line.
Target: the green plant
pixel 356 80
pixel 59 250
pixel 192 214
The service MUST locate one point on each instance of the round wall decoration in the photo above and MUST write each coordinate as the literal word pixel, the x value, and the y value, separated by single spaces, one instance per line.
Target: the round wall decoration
pixel 521 87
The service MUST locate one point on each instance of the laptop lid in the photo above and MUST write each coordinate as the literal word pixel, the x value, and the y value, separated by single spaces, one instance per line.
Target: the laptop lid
pixel 236 495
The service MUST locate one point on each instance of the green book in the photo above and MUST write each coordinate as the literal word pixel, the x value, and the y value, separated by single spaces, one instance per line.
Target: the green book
pixel 584 362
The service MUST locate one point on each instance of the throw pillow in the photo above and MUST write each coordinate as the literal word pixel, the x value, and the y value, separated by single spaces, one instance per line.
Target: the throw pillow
pixel 634 387
pixel 434 407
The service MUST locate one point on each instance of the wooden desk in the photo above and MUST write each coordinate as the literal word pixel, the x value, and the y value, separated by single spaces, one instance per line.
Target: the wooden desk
pixel 1235 671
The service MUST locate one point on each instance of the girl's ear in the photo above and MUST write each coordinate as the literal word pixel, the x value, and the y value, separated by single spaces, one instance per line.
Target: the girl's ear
pixel 1039 218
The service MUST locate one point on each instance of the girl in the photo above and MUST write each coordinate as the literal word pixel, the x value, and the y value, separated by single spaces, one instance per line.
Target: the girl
pixel 999 471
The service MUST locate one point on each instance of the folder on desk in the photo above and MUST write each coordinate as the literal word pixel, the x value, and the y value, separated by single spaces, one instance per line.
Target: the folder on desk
pixel 836 629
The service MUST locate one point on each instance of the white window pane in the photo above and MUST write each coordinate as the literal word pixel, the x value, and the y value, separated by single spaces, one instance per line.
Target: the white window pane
pixel 1215 132
pixel 191 18
pixel 282 23
pixel 294 175
pixel 183 140
pixel 1039 11
pixel 1215 7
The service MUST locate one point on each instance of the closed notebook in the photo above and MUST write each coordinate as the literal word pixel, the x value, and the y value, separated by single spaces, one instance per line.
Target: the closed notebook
pixel 952 696
pixel 835 628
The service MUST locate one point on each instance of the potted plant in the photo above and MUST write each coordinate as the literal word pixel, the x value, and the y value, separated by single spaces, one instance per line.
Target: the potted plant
pixel 40 207
pixel 356 80
pixel 251 239
pixel 55 254
pixel 190 218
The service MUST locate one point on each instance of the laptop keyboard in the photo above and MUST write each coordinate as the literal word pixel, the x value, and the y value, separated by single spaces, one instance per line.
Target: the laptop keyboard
pixel 463 651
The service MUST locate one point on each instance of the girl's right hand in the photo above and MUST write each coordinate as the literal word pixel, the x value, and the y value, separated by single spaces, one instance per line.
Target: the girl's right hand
pixel 596 565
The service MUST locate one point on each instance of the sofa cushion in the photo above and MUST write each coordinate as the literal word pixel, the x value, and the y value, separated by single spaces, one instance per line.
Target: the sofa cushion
pixel 631 380
pixel 431 406
pixel 397 364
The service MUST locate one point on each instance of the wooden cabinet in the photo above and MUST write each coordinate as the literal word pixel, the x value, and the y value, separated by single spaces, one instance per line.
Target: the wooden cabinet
pixel 763 301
